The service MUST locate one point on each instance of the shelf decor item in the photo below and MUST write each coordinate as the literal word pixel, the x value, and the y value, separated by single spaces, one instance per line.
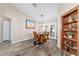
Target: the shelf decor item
pixel 70 27
pixel 70 19
pixel 65 21
pixel 76 17
pixel 71 44
pixel 66 48
pixel 74 26
pixel 70 34
pixel 73 18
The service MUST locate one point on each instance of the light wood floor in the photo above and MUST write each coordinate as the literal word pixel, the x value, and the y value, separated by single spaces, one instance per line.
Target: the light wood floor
pixel 25 48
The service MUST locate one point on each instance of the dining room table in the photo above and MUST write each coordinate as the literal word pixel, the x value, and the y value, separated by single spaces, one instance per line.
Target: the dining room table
pixel 43 36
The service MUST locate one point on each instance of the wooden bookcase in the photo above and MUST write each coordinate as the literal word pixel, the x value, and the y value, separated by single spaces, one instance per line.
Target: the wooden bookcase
pixel 70 32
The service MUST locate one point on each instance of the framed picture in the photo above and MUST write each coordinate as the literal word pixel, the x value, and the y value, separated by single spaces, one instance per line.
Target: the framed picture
pixel 30 24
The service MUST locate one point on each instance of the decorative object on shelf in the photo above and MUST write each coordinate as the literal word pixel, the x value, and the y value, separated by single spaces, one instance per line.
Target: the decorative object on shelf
pixel 75 48
pixel 73 18
pixel 71 44
pixel 72 55
pixel 65 21
pixel 30 24
pixel 76 17
pixel 74 26
pixel 70 19
pixel 65 36
pixel 70 27
pixel 65 29
pixel 70 34
pixel 65 42
pixel 65 48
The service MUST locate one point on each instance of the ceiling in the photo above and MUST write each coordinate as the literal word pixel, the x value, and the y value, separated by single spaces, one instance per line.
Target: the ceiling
pixel 49 10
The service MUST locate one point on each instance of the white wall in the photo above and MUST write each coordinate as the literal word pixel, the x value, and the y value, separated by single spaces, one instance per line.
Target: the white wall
pixel 63 8
pixel 0 29
pixel 18 22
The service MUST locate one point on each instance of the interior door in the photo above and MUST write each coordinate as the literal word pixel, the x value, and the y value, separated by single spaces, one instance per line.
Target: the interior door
pixel 6 30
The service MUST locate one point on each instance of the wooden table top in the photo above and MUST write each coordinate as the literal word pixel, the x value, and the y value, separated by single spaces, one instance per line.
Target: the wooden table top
pixel 42 33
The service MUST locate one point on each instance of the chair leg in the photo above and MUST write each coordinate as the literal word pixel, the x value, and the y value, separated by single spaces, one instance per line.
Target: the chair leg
pixel 35 43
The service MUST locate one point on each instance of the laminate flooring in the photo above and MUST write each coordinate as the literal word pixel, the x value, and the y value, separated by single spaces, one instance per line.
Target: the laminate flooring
pixel 26 48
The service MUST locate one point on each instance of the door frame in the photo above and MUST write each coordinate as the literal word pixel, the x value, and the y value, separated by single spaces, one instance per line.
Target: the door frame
pixel 7 19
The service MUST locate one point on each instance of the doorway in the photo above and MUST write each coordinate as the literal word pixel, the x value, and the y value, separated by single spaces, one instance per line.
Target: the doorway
pixel 6 30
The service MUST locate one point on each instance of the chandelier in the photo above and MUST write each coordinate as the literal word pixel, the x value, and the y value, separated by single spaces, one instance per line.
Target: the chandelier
pixel 41 19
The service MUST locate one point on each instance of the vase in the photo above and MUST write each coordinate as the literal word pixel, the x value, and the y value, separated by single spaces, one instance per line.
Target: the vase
pixel 70 37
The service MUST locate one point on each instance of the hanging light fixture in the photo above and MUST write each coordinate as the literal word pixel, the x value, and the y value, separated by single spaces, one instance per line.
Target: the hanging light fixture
pixel 41 15
pixel 34 5
pixel 41 19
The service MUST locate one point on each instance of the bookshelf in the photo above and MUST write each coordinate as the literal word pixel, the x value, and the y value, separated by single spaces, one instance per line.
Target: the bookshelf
pixel 70 32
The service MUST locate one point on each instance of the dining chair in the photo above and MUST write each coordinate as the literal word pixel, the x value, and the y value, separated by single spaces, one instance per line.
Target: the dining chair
pixel 45 37
pixel 36 38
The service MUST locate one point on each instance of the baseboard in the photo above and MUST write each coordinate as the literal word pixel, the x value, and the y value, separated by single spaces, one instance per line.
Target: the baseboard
pixel 19 40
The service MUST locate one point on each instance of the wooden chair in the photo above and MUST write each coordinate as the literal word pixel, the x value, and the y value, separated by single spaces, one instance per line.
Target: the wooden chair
pixel 45 37
pixel 40 38
pixel 35 37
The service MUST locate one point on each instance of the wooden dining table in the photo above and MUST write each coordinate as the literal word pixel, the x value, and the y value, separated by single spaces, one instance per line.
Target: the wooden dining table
pixel 43 37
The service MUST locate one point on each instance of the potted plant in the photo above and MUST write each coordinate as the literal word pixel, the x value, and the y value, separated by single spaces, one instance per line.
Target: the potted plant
pixel 70 34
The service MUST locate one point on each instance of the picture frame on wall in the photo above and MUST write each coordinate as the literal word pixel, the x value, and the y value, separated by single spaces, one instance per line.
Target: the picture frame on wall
pixel 30 24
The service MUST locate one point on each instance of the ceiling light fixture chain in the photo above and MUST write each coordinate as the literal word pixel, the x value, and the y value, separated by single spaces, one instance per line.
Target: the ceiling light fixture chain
pixel 41 12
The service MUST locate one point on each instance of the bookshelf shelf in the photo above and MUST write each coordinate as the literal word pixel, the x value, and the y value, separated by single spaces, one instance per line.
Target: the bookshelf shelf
pixel 75 48
pixel 67 53
pixel 69 30
pixel 70 22
pixel 70 39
